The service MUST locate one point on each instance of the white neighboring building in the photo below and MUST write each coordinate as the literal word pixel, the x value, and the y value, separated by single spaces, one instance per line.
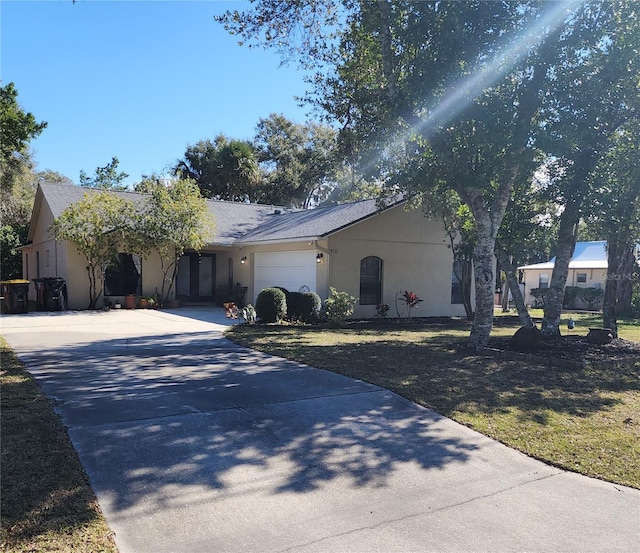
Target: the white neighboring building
pixel 587 269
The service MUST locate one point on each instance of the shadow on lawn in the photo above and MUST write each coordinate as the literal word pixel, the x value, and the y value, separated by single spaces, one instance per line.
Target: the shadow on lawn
pixel 437 372
pixel 153 414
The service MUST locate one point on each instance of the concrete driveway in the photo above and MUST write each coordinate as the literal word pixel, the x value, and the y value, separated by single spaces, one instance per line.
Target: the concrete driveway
pixel 193 444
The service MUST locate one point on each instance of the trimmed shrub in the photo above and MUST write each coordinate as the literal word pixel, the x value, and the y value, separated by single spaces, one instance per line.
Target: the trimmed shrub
pixel 294 306
pixel 303 307
pixel 310 308
pixel 271 305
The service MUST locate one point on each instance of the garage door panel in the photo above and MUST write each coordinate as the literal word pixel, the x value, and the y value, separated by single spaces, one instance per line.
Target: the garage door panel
pixel 291 270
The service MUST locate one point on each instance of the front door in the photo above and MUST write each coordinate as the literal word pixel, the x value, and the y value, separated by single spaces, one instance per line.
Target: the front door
pixel 196 277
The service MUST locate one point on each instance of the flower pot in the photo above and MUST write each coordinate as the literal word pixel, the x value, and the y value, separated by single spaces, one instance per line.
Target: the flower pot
pixel 144 304
pixel 130 302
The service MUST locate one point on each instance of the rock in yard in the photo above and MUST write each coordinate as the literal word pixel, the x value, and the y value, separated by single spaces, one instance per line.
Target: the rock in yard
pixel 526 339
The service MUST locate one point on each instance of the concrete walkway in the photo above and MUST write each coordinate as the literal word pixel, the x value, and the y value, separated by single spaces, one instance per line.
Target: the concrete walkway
pixel 193 444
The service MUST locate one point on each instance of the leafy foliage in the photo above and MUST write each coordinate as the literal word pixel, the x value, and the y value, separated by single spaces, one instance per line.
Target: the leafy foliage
pixel 17 129
pixel 271 305
pixel 591 296
pixel 223 169
pixel 11 257
pixel 299 161
pixel 174 218
pixel 98 226
pixel 106 177
pixel 303 306
pixel 338 307
pixel 248 313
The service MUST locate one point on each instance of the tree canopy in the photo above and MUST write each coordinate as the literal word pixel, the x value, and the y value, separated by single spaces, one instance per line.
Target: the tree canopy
pixel 173 218
pixel 99 227
pixel 17 129
pixel 299 161
pixel 106 178
pixel 223 169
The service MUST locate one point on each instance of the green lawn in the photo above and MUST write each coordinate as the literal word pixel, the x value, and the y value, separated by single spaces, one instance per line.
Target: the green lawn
pixel 584 420
pixel 46 501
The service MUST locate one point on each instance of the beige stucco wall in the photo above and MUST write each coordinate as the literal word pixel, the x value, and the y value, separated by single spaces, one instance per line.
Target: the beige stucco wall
pixel 415 254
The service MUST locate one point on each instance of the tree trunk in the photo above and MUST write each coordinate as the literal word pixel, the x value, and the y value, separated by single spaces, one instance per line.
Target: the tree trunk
pixel 567 236
pixel 609 315
pixel 483 265
pixel 505 293
pixel 512 280
pixel 625 284
pixel 466 289
pixel 94 295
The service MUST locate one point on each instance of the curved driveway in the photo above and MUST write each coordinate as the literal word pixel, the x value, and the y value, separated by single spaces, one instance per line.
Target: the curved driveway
pixel 193 444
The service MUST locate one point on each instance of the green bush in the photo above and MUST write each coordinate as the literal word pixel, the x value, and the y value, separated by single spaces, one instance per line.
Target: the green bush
pixel 539 295
pixel 592 297
pixel 271 305
pixel 338 307
pixel 570 295
pixel 310 307
pixel 294 305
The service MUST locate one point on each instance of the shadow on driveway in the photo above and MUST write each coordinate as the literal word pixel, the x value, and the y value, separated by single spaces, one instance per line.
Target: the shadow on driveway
pixel 155 413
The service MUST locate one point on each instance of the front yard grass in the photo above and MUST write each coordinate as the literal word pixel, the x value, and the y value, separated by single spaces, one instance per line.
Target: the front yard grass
pixel 584 420
pixel 46 501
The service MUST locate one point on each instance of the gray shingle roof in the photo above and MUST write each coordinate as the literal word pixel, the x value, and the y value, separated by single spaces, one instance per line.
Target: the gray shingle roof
pixel 310 223
pixel 239 223
pixel 234 219
pixel 61 196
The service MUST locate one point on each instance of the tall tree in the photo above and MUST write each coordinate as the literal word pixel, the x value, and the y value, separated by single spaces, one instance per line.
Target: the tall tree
pixel 617 217
pixel 299 161
pixel 17 129
pixel 525 236
pixel 174 218
pixel 99 227
pixel 433 93
pixel 106 178
pixel 224 169
pixel 596 82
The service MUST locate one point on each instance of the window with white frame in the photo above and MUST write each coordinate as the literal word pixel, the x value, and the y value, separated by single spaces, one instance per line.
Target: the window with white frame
pixel 543 280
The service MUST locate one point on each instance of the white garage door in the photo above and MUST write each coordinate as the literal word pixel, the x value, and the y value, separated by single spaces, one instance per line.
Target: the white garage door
pixel 290 270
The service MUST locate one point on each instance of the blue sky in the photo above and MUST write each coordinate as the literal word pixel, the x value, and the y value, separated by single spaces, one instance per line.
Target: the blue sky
pixel 137 80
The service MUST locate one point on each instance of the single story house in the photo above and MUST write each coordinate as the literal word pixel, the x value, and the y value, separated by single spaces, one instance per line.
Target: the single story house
pixel 587 269
pixel 370 252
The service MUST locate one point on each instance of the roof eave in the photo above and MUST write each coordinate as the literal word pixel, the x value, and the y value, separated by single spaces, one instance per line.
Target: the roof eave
pixel 277 241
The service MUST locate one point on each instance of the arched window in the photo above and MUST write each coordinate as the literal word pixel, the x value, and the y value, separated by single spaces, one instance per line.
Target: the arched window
pixel 371 281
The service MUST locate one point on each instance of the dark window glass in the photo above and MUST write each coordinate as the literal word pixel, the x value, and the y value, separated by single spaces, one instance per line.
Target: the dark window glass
pixel 122 277
pixel 371 281
pixel 456 282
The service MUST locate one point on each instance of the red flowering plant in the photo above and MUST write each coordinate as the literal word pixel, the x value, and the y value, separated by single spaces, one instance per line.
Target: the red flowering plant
pixel 410 300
